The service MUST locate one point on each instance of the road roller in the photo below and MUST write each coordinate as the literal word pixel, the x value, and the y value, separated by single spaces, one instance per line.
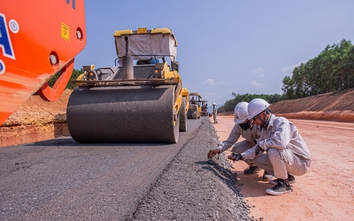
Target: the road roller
pixel 138 100
pixel 195 107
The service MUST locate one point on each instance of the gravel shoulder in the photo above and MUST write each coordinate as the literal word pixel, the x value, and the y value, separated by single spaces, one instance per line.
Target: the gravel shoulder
pixel 195 188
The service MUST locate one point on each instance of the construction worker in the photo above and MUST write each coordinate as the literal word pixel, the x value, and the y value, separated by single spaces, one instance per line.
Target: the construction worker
pixel 215 113
pixel 243 127
pixel 286 151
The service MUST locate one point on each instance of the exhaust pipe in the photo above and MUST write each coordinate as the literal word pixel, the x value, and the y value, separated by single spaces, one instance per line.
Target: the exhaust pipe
pixel 127 63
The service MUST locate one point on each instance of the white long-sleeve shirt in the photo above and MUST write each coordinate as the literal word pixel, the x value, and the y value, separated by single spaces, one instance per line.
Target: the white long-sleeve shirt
pixel 280 133
pixel 215 111
pixel 250 135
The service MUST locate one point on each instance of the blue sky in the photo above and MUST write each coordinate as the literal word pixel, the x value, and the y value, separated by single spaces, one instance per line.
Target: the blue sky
pixel 225 46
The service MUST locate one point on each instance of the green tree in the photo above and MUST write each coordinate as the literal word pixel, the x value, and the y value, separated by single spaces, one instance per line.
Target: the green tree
pixel 230 104
pixel 331 70
pixel 70 85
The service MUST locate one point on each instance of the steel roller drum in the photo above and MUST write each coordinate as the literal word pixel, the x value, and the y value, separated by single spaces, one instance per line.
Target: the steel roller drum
pixel 138 114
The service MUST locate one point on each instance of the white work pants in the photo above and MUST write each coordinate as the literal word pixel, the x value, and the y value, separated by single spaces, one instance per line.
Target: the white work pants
pixel 281 162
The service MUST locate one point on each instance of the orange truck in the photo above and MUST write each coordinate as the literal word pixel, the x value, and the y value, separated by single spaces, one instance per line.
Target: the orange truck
pixel 38 40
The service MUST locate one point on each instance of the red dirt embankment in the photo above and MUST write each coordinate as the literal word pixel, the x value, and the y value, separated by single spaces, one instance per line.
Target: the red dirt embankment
pixel 333 106
pixel 36 120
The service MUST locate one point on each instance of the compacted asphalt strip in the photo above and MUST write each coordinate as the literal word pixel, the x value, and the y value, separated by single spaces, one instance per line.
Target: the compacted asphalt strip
pixel 63 180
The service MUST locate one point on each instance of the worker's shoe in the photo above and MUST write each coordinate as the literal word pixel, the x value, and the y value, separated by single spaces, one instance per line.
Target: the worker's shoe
pixel 267 176
pixel 251 170
pixel 282 187
pixel 291 180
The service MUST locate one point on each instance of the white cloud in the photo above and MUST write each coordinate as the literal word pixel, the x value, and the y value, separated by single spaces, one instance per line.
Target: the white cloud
pixel 289 69
pixel 209 81
pixel 213 82
pixel 259 71
pixel 223 82
pixel 257 84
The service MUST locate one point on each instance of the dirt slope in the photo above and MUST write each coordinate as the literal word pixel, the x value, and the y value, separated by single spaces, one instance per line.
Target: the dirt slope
pixel 334 106
pixel 36 120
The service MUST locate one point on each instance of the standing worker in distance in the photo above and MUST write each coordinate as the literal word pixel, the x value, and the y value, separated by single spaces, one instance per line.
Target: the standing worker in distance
pixel 287 153
pixel 215 113
pixel 245 128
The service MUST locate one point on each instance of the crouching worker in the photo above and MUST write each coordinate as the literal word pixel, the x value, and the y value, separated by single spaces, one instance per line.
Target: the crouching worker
pixel 286 151
pixel 243 127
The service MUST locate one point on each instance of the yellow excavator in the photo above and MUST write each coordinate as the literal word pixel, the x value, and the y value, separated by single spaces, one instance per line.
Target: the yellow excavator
pixel 139 100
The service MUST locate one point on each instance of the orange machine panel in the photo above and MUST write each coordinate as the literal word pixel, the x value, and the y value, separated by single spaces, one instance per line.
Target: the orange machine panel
pixel 38 39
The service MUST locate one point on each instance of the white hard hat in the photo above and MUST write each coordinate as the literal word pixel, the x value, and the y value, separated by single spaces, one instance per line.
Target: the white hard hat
pixel 214 103
pixel 241 112
pixel 256 106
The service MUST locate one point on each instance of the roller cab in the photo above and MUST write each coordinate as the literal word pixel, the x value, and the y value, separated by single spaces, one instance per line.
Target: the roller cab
pixel 140 99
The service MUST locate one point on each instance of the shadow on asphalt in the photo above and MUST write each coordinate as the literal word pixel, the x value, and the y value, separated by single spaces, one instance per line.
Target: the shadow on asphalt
pixel 69 141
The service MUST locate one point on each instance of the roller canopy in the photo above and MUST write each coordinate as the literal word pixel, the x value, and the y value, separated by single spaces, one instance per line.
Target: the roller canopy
pixel 151 43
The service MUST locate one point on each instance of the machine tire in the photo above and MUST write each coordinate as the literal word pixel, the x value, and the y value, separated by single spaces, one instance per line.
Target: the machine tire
pixel 189 115
pixel 176 129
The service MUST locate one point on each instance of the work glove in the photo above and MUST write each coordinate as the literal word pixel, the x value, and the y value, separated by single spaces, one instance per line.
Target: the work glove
pixel 212 153
pixel 235 157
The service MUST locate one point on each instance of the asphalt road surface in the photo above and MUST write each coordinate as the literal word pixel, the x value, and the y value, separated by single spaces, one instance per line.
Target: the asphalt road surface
pixel 61 179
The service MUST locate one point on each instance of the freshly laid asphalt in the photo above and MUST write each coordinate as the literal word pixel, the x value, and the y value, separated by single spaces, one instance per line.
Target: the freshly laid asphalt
pixel 61 179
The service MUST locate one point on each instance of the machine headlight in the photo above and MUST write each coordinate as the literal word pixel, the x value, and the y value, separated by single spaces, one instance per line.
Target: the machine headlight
pixel 157 73
pixel 91 75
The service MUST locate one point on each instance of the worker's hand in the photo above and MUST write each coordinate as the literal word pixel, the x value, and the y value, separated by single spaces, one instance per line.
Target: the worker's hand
pixel 235 157
pixel 258 150
pixel 212 153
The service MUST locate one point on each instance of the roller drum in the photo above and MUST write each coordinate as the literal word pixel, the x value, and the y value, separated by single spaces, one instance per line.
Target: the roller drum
pixel 138 114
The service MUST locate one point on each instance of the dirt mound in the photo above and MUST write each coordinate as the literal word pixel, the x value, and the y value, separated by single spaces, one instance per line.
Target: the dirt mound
pixel 334 106
pixel 36 120
pixel 36 111
pixel 333 101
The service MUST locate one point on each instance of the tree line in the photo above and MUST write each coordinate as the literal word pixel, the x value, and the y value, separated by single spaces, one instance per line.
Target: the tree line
pixel 76 73
pixel 331 70
pixel 230 104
